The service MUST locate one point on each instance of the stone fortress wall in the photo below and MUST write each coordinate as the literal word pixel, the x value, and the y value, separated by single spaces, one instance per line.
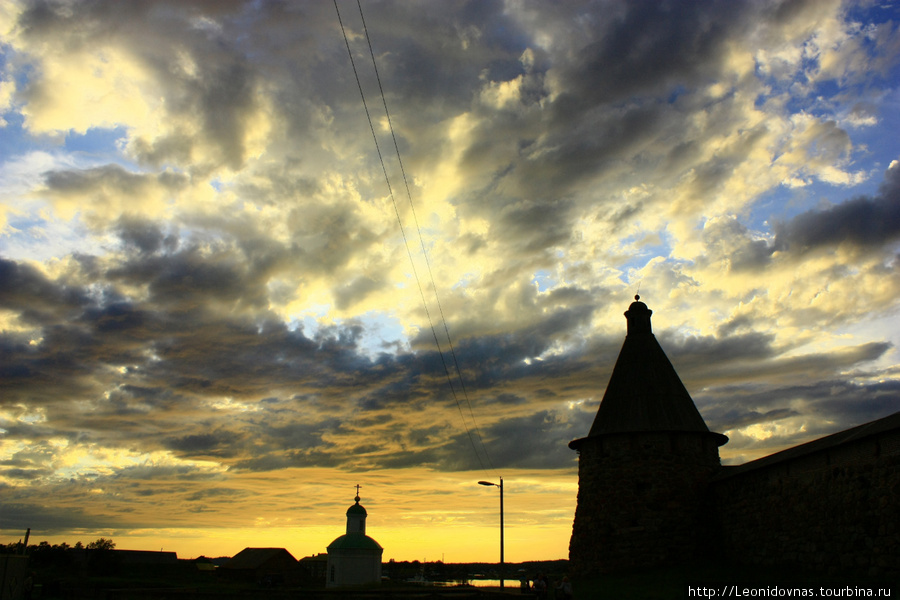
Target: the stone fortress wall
pixel 641 499
pixel 832 505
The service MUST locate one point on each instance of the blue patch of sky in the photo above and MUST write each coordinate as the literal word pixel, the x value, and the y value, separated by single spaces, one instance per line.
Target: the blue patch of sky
pixel 641 253
pixel 14 141
pixel 783 203
pixel 32 237
pixel 99 146
pixel 382 331
pixel 780 204
pixel 96 141
pixel 801 104
pixel 818 96
pixel 676 93
pixel 876 12
pixel 882 147
pixel 544 280
pixel 95 146
pixel 760 101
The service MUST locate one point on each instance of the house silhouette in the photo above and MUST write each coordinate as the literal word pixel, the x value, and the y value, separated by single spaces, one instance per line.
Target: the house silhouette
pixel 268 566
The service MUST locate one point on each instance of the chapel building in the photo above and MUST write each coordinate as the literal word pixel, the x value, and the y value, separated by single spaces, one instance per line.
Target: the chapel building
pixel 354 558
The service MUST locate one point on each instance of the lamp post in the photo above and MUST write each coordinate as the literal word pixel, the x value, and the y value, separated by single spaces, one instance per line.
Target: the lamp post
pixel 500 485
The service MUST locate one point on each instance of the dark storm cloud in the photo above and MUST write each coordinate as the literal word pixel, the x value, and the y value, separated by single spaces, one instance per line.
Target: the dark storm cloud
pixel 831 400
pixel 507 398
pixel 647 47
pixel 167 339
pixel 226 97
pixel 695 351
pixel 737 418
pixel 865 222
pixel 220 98
pixel 537 441
pixel 405 390
pixel 25 290
pixel 355 291
pixel 869 223
pixel 820 405
pixel 446 50
pixel 26 474
pixel 146 237
pixel 535 225
pixel 638 51
pixel 217 493
pixel 499 357
pixel 194 276
pixel 770 390
pixel 177 349
pixel 276 461
pixel 772 365
pixel 534 441
pixel 601 143
pixel 219 444
pixel 33 370
pixel 179 476
pixel 109 180
pixel 15 516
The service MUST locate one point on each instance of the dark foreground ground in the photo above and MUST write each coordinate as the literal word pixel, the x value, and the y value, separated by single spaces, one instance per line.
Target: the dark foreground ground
pixel 728 581
pixel 185 581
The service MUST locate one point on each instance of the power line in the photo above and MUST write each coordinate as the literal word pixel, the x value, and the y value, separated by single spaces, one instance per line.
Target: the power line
pixel 421 241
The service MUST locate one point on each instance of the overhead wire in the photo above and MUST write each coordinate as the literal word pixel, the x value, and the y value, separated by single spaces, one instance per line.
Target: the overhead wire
pixel 421 242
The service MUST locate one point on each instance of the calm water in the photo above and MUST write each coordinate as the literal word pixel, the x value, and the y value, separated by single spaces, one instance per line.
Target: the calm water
pixel 510 583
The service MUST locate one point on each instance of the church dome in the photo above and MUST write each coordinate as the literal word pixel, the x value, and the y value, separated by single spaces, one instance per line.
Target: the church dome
pixel 354 541
pixel 357 509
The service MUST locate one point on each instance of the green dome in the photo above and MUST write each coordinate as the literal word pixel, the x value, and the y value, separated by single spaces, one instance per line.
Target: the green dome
pixel 354 541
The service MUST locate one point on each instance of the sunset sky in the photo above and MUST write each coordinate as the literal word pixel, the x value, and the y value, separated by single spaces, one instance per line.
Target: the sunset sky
pixel 217 318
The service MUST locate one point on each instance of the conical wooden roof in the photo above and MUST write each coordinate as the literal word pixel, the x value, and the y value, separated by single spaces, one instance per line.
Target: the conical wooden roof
pixel 644 392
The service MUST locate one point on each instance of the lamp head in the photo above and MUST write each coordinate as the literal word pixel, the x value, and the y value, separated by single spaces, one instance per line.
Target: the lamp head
pixel 486 483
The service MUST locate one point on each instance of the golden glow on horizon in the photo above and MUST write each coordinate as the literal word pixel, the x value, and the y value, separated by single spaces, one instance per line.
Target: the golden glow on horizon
pixel 457 518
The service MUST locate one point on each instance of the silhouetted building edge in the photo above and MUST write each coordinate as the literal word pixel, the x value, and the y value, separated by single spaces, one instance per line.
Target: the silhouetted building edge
pixel 652 491
pixel 644 468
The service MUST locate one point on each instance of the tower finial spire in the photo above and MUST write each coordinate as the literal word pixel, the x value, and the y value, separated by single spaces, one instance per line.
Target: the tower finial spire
pixel 638 316
pixel 357 493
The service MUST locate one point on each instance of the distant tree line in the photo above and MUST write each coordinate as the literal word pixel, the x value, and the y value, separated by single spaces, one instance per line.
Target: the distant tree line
pixel 46 548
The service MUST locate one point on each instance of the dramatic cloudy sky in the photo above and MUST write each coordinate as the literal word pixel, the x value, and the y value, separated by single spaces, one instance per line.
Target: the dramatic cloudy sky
pixel 213 324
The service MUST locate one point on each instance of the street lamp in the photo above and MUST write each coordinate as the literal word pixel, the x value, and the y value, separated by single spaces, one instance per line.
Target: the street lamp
pixel 500 485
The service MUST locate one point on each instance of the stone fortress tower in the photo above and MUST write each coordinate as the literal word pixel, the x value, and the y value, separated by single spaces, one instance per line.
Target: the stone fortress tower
pixel 644 467
pixel 354 558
